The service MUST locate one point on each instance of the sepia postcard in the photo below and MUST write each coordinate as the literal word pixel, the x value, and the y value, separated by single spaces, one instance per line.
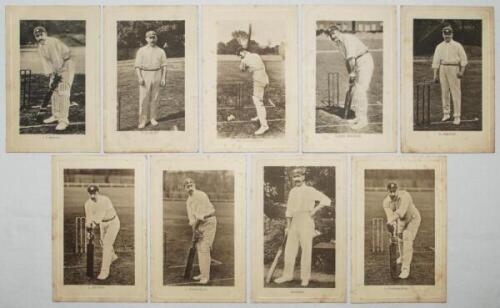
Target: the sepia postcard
pixel 99 229
pixel 250 78
pixel 448 79
pixel 299 202
pixel 349 84
pixel 198 227
pixel 52 78
pixel 399 229
pixel 151 93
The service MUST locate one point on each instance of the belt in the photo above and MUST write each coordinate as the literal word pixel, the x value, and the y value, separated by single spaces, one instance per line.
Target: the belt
pixel 108 220
pixel 450 64
pixel 208 216
pixel 149 69
pixel 364 53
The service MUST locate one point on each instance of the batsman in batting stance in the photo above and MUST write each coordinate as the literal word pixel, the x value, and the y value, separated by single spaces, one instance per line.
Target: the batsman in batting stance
pixel 359 64
pixel 151 69
pixel 56 60
pixel 99 211
pixel 303 202
pixel 201 216
pixel 402 214
pixel 449 63
pixel 252 62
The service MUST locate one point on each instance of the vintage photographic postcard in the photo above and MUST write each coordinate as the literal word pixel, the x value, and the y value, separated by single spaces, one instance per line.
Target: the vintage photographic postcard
pixel 349 88
pixel 299 202
pixel 151 77
pixel 250 78
pixel 399 229
pixel 99 229
pixel 52 78
pixel 448 79
pixel 198 229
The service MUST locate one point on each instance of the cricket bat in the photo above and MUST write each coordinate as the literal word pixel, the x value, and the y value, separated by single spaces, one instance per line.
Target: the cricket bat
pixel 188 271
pixel 348 100
pixel 53 86
pixel 272 269
pixel 90 255
pixel 393 255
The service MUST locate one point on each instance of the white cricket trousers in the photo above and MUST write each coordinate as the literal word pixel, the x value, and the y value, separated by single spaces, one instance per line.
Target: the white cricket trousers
pixel 61 96
pixel 300 234
pixel 364 72
pixel 410 230
pixel 450 89
pixel 109 231
pixel 149 96
pixel 204 245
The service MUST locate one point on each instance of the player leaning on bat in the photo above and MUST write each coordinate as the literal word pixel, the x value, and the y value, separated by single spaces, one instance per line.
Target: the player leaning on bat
pixel 99 211
pixel 303 202
pixel 359 64
pixel 201 215
pixel 403 215
pixel 253 63
pixel 56 60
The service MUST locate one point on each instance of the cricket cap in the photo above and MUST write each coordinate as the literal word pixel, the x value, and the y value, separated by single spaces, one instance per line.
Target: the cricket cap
pixel 92 189
pixel 447 30
pixel 151 33
pixel 299 171
pixel 392 186
pixel 38 30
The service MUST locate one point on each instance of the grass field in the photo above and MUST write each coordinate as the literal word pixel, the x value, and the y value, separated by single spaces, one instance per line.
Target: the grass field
pixel 171 107
pixel 227 73
pixel 177 240
pixel 377 264
pixel 122 270
pixel 32 123
pixel 471 113
pixel 329 60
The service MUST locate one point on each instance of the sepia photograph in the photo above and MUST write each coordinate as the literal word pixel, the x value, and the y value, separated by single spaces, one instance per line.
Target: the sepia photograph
pixel 52 75
pixel 199 221
pixel 447 74
pixel 448 79
pixel 196 230
pixel 150 75
pixel 302 237
pixel 250 78
pixel 349 88
pixel 52 79
pixel 400 249
pixel 98 234
pixel 399 227
pixel 152 93
pixel 349 76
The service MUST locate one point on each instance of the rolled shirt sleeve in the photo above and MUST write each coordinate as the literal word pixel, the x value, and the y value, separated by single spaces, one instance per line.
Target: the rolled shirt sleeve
pixel 138 59
pixel 163 58
pixel 303 199
pixel 462 55
pixel 198 206
pixel 436 59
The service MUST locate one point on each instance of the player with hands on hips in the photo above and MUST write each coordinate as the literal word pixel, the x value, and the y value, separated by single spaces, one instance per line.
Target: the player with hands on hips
pixel 303 203
pixel 201 216
pixel 56 59
pixel 99 211
pixel 448 65
pixel 402 214
pixel 151 69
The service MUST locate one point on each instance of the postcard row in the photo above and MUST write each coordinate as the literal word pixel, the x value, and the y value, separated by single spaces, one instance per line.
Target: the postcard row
pixel 198 212
pixel 176 80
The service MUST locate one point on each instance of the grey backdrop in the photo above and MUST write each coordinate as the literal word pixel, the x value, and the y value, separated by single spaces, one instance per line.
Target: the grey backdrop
pixel 25 206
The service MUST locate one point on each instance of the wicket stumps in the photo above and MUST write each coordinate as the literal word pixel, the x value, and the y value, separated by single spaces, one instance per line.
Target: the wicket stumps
pixel 80 236
pixel 333 89
pixel 236 92
pixel 378 235
pixel 423 103
pixel 25 79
